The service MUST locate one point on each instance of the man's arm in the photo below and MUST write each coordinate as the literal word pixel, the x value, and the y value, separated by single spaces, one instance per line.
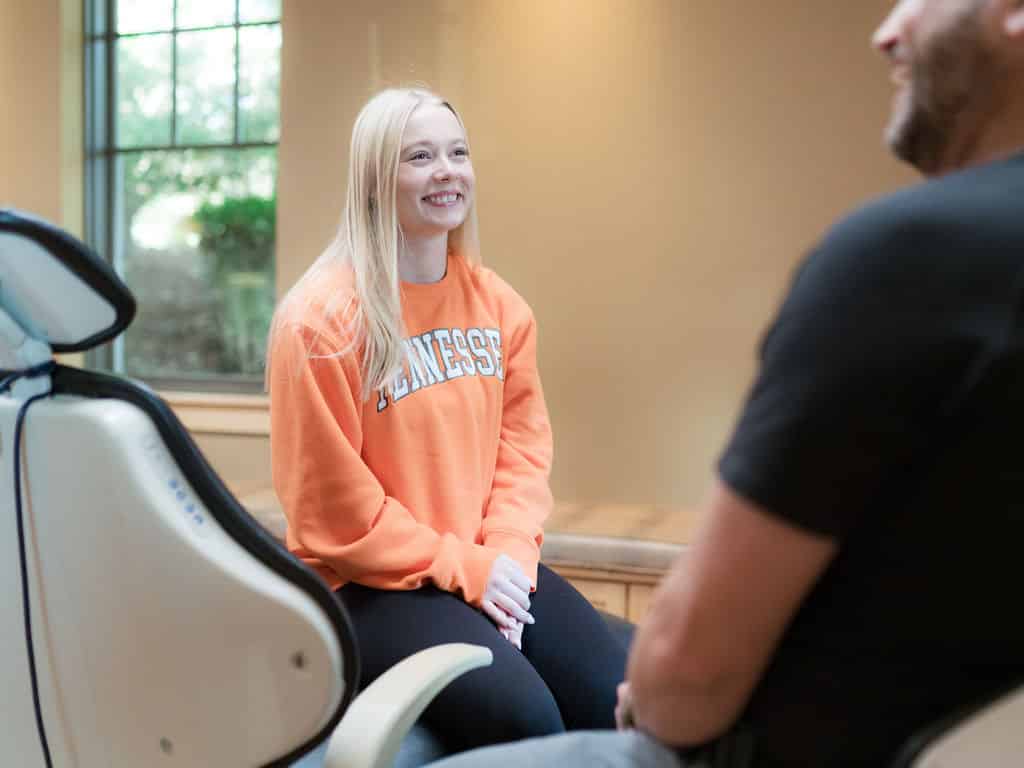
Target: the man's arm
pixel 717 618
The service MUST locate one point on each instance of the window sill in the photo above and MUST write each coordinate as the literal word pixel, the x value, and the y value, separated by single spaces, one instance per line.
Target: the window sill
pixel 213 414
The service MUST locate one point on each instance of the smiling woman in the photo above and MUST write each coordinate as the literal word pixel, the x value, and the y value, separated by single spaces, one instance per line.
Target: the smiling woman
pixel 411 444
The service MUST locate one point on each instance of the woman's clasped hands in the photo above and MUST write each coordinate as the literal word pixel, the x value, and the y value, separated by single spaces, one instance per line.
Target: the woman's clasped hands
pixel 506 599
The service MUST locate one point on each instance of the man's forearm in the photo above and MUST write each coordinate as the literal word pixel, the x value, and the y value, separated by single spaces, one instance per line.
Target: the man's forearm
pixel 676 698
pixel 718 617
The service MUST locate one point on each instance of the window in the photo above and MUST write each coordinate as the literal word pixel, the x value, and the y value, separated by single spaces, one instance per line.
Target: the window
pixel 181 146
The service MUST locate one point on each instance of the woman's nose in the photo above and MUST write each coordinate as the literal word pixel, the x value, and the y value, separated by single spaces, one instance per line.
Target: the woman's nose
pixel 444 170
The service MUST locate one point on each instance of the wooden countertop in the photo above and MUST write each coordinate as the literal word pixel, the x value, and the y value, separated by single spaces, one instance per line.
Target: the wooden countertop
pixel 668 525
pixel 618 537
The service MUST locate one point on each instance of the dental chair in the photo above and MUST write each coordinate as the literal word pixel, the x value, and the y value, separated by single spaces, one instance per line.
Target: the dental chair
pixel 148 620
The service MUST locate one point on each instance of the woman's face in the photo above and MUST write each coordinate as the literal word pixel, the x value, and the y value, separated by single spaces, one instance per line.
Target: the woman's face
pixel 435 175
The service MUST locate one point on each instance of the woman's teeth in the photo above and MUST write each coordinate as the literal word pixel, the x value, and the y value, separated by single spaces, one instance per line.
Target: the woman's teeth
pixel 446 198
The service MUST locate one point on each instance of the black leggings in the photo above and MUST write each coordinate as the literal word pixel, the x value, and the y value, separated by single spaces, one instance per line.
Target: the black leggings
pixel 564 678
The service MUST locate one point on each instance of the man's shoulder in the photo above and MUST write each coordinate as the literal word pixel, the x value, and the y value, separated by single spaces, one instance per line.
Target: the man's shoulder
pixel 903 223
pixel 923 241
pixel 935 217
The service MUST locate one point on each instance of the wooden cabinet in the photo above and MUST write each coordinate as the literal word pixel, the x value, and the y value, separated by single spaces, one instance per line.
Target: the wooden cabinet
pixel 638 600
pixel 607 596
pixel 615 554
pixel 623 593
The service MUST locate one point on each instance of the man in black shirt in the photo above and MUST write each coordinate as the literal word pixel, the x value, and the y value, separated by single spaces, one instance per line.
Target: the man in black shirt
pixel 855 577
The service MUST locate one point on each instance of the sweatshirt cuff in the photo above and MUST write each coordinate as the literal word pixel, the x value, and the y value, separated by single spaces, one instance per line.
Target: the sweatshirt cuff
pixel 477 564
pixel 519 549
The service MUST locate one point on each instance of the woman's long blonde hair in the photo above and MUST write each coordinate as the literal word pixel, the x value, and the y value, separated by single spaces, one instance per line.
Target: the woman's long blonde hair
pixel 369 239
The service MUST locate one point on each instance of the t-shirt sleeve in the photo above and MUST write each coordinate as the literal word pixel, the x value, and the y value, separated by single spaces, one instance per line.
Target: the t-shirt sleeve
pixel 874 341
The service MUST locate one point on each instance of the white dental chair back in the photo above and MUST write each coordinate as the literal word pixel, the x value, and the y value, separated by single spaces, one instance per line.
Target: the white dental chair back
pixel 167 628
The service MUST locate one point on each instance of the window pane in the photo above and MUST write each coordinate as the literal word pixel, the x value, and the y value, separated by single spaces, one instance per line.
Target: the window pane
pixel 259 10
pixel 144 16
pixel 198 252
pixel 259 81
pixel 206 86
pixel 205 13
pixel 144 91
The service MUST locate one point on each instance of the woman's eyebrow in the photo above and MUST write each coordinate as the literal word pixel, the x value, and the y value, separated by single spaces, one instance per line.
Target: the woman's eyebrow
pixel 431 144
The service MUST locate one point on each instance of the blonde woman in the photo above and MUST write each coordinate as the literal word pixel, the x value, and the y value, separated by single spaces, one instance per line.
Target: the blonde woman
pixel 411 442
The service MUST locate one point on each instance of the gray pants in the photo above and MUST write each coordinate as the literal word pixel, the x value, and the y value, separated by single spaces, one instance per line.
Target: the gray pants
pixel 577 749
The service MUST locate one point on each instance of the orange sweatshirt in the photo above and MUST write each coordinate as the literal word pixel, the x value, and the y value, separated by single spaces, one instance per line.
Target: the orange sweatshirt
pixel 427 482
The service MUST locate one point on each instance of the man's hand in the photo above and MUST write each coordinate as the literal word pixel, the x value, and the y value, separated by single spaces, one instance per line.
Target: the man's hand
pixel 624 709
pixel 506 599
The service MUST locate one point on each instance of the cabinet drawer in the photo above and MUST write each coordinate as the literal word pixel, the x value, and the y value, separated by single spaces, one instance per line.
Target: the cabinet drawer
pixel 639 601
pixel 606 596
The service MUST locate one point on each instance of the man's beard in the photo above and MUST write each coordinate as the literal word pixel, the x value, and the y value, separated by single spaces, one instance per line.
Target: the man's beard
pixel 951 86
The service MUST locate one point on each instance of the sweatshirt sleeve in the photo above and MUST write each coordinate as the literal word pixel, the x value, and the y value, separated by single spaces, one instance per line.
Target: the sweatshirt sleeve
pixel 337 510
pixel 520 499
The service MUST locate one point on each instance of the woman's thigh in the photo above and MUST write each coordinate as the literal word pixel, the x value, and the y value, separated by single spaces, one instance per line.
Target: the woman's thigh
pixel 575 653
pixel 506 701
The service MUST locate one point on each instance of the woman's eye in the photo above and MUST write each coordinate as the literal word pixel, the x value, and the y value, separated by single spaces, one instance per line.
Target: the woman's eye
pixel 421 155
pixel 462 152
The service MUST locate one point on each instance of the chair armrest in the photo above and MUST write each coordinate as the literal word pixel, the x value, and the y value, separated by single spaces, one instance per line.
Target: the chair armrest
pixel 984 736
pixel 372 729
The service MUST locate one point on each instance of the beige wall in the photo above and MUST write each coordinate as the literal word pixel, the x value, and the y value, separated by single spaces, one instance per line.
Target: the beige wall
pixel 30 106
pixel 41 149
pixel 649 172
pixel 242 461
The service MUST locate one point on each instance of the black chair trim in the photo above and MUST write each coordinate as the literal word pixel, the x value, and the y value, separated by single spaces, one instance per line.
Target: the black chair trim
pixel 85 264
pixel 231 516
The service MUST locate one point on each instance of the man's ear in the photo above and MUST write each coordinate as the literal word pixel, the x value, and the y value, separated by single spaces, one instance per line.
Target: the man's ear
pixel 1013 24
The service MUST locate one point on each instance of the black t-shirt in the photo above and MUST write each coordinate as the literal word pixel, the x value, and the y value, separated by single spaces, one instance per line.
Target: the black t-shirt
pixel 889 414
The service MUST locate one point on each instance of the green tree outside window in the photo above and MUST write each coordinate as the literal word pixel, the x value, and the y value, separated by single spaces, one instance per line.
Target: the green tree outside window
pixel 192 165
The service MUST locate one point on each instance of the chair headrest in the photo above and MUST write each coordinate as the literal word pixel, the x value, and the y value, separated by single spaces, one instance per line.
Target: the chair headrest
pixel 56 287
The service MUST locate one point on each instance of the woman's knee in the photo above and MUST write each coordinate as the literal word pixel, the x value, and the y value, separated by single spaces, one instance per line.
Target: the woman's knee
pixel 539 717
pixel 494 705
